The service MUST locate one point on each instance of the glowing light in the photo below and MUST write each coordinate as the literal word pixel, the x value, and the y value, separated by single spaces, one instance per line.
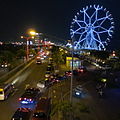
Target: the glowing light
pixel 22 37
pixel 32 32
pixel 77 93
pixel 104 80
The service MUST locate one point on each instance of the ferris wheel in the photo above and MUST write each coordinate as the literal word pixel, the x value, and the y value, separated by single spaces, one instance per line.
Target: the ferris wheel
pixel 92 28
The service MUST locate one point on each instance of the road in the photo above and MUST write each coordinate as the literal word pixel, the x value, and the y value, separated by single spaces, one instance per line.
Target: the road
pixel 3 71
pixel 101 109
pixel 31 76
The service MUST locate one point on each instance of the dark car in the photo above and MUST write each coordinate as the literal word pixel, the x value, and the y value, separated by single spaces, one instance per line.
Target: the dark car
pixel 31 95
pixel 49 68
pixel 22 114
pixel 82 69
pixel 42 110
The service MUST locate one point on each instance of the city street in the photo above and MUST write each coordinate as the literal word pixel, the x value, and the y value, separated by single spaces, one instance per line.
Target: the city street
pixel 31 76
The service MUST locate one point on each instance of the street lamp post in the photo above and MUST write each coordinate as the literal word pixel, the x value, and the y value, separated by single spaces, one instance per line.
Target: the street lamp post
pixel 71 84
pixel 32 33
pixel 27 46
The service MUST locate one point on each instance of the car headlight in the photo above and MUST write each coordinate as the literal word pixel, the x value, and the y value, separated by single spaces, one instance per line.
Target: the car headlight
pixel 5 65
pixel 77 93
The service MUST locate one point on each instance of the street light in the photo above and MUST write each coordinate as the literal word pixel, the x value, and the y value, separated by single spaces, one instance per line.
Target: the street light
pixel 33 33
pixel 27 45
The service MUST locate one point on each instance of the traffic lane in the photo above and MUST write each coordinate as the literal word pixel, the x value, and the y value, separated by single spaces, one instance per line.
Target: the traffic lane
pixel 3 71
pixel 36 72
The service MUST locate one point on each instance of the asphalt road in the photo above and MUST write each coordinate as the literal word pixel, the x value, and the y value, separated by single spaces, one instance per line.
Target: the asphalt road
pixel 30 76
pixel 3 71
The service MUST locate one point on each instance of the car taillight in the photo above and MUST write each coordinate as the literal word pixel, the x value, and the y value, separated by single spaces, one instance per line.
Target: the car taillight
pixel 81 70
pixel 19 98
pixel 30 99
pixel 24 98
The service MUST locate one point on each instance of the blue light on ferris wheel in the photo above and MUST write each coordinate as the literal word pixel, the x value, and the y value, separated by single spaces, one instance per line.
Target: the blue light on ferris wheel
pixel 92 28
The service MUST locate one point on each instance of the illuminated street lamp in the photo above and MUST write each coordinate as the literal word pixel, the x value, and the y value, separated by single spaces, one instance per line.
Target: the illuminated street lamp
pixel 33 33
pixel 27 45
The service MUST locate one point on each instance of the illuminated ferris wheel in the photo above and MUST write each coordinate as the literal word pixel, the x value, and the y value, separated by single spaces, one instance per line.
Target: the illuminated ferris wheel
pixel 92 28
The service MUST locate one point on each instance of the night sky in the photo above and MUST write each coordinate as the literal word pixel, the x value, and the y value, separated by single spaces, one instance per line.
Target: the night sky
pixel 52 17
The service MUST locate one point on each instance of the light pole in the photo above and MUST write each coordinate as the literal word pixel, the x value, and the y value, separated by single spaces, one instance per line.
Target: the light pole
pixel 71 84
pixel 27 45
pixel 32 33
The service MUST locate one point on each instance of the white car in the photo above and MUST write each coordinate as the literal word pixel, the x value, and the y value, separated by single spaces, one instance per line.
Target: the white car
pixel 41 85
pixel 47 74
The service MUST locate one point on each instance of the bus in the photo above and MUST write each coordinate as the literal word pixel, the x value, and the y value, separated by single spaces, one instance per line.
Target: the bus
pixel 5 91
pixel 42 110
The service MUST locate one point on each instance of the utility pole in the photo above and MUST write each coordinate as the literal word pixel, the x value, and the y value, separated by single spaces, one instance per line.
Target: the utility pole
pixel 71 84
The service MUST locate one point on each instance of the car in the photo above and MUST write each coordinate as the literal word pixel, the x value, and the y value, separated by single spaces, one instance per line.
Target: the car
pixel 42 110
pixel 49 68
pixel 78 91
pixel 50 60
pixel 75 72
pixel 60 78
pixel 30 96
pixel 54 80
pixel 4 65
pixel 68 73
pixel 22 114
pixel 47 74
pixel 82 69
pixel 38 61
pixel 6 90
pixel 47 82
pixel 41 85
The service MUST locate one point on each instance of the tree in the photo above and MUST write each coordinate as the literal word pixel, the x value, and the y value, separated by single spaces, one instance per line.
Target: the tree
pixel 103 55
pixel 21 53
pixel 58 55
pixel 64 109
pixel 7 56
pixel 32 51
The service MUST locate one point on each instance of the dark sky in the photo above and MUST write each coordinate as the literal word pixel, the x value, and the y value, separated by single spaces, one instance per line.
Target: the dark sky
pixel 49 16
